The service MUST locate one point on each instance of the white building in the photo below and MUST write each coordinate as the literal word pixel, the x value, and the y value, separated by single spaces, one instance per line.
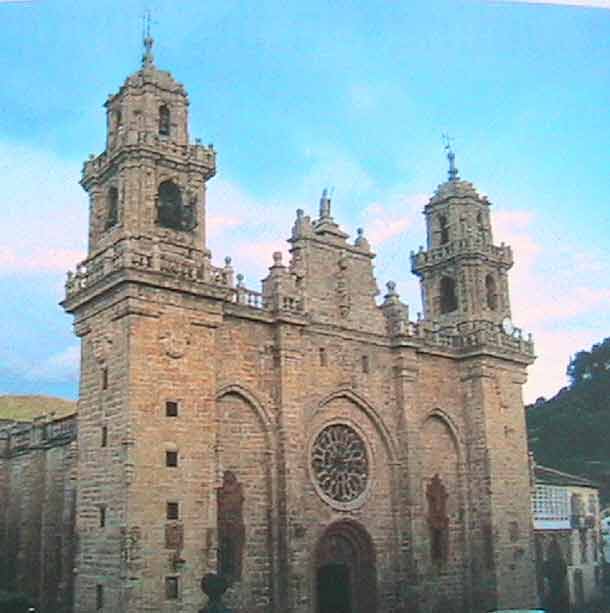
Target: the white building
pixel 566 510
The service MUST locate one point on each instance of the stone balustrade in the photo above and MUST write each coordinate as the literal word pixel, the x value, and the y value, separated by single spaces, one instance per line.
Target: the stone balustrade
pixel 135 253
pixel 461 246
pixel 196 152
pixel 45 431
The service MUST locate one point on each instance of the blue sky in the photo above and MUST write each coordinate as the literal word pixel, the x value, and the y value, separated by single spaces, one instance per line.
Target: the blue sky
pixel 300 96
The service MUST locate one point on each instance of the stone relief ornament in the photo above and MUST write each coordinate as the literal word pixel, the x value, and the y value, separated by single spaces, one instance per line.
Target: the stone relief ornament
pixel 102 347
pixel 339 463
pixel 174 344
pixel 343 289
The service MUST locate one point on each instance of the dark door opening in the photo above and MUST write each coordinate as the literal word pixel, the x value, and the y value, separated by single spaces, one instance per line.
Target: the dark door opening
pixel 334 589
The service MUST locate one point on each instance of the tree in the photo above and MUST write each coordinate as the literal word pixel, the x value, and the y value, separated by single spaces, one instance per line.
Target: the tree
pixel 586 365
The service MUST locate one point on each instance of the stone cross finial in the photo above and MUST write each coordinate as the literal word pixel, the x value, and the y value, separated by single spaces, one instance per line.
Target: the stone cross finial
pixel 453 171
pixel 147 58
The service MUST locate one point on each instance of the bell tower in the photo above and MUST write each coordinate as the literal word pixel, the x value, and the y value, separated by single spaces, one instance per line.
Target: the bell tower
pixel 463 275
pixel 150 181
pixel 145 303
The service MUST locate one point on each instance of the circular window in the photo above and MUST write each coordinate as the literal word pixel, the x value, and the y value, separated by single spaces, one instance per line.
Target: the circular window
pixel 340 465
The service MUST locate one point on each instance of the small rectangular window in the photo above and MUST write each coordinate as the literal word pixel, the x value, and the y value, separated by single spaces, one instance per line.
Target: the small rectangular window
pixel 171 588
pixel 171 408
pixel 172 510
pixel 365 364
pixel 104 442
pixel 99 597
pixel 102 517
pixel 105 378
pixel 171 458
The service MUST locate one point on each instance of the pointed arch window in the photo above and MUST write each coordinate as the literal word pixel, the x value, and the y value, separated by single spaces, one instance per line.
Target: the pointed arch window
pixel 170 205
pixel 444 229
pixel 112 208
pixel 491 293
pixel 164 120
pixel 448 296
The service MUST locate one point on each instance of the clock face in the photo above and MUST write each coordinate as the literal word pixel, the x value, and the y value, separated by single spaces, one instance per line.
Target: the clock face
pixel 507 326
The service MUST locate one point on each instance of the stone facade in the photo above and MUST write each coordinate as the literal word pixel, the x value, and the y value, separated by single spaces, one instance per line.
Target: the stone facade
pixel 37 512
pixel 321 450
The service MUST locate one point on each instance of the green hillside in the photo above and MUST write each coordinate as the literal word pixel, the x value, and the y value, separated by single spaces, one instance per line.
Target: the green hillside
pixel 25 408
pixel 571 431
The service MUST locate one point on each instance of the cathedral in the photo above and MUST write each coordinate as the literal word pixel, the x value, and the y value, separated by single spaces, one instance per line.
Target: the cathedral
pixel 310 442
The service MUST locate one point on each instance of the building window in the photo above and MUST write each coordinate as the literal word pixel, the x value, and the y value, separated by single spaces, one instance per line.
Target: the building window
pixel 171 408
pixel 171 458
pixel 102 516
pixel 164 120
pixel 105 378
pixel 448 297
pixel 323 357
pixel 552 504
pixel 171 588
pixel 444 229
pixel 491 293
pixel 104 441
pixel 112 208
pixel 172 511
pixel 365 364
pixel 99 597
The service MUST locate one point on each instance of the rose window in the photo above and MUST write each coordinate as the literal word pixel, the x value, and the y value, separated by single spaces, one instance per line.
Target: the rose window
pixel 339 463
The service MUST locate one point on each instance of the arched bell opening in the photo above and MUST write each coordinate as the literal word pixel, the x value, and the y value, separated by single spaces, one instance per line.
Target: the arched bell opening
pixel 345 570
pixel 448 295
pixel 170 205
pixel 491 293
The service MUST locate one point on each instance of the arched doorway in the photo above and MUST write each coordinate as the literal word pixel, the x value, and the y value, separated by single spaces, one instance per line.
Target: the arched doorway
pixel 345 570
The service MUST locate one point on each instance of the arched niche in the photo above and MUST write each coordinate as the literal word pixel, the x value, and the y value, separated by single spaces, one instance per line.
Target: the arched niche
pixel 244 457
pixel 441 491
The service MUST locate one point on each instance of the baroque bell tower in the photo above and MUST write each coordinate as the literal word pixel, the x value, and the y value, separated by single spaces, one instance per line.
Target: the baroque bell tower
pixel 463 274
pixel 150 181
pixel 142 332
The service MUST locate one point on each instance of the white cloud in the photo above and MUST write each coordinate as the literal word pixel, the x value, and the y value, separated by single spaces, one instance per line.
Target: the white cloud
pixel 398 212
pixel 44 212
pixel 59 367
pixel 554 290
